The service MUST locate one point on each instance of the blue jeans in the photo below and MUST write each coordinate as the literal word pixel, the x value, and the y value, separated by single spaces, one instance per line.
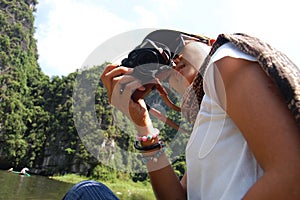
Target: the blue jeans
pixel 90 190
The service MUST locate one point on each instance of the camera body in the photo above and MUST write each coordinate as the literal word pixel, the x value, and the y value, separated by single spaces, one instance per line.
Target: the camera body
pixel 147 63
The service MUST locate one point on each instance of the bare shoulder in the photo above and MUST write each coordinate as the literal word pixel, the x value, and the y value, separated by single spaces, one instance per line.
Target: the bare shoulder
pixel 258 109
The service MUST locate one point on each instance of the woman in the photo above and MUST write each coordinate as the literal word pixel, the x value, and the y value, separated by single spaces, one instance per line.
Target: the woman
pixel 245 142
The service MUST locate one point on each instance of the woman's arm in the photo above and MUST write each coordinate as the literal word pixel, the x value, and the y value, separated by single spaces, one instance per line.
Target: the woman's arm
pixel 258 109
pixel 165 183
pixel 183 182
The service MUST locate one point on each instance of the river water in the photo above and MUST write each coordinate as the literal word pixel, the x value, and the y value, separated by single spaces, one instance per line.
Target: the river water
pixel 17 187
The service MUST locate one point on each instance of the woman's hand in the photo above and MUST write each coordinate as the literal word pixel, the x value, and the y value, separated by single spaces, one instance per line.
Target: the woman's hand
pixel 120 86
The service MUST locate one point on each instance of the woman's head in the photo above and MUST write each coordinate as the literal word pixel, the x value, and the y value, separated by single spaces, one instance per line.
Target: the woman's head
pixel 187 65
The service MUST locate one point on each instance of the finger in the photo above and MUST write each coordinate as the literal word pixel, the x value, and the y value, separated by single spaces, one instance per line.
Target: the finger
pixel 122 92
pixel 128 78
pixel 133 86
pixel 120 98
pixel 118 72
pixel 123 79
pixel 109 74
pixel 108 68
pixel 107 82
pixel 119 82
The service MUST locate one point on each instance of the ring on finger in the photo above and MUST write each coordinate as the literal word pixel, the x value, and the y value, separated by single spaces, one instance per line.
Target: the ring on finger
pixel 122 88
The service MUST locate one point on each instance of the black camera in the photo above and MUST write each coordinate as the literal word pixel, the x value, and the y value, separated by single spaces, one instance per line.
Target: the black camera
pixel 148 60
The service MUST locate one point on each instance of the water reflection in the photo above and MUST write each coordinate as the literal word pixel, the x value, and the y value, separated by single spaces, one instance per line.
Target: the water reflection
pixel 19 187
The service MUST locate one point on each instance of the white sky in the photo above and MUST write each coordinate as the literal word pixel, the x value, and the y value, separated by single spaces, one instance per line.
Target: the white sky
pixel 67 31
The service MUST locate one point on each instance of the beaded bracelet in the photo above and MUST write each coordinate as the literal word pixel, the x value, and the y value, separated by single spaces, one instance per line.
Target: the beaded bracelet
pixel 159 145
pixel 154 157
pixel 148 137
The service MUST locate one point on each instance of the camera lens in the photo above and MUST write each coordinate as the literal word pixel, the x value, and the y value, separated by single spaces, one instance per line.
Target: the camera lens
pixel 147 56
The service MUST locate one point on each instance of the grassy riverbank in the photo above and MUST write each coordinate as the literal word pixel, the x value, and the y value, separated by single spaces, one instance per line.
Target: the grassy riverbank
pixel 124 189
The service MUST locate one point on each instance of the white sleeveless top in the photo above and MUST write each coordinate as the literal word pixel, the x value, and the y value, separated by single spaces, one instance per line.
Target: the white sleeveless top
pixel 220 164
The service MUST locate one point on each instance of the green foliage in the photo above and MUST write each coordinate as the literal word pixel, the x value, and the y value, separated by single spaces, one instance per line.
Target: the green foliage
pixel 23 119
pixel 40 125
pixel 70 151
pixel 104 173
pixel 123 188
